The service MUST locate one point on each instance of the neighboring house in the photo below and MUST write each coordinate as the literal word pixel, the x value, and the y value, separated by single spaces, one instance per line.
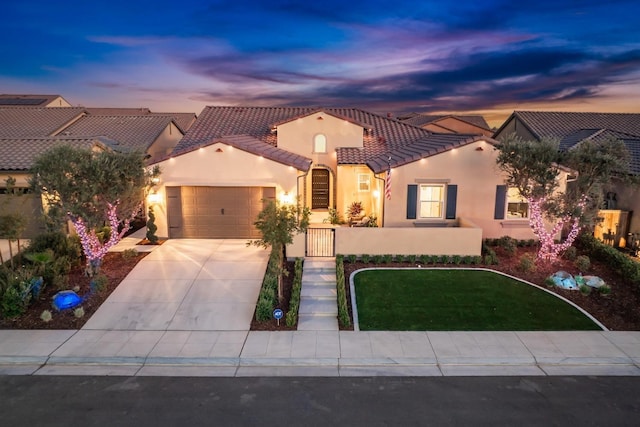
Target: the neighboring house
pixel 471 125
pixel 572 128
pixel 213 184
pixel 183 120
pixel 27 131
pixel 16 163
pixel 33 101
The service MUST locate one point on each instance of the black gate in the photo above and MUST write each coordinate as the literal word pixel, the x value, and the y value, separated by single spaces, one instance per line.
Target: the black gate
pixel 320 242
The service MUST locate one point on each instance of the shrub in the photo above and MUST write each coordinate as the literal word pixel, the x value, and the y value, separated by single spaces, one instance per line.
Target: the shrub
pixel 387 259
pixel 466 260
pixel 549 282
pixel 59 243
pixel 377 259
pixel 456 259
pixel 508 245
pixel 604 289
pixel 491 258
pixel 294 303
pixel 582 263
pixel 411 259
pixel 585 290
pixel 268 297
pixel 425 259
pixel 129 253
pixel 352 258
pixel 99 282
pixel 343 311
pixel 365 258
pixel 46 316
pixel 527 263
pixel 79 312
pixel 476 260
pixel 626 266
pixel 571 253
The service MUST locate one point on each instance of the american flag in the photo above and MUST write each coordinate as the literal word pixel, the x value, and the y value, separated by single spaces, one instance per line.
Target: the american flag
pixel 387 183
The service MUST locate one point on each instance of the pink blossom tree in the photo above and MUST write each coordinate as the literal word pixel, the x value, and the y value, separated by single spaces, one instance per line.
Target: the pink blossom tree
pixel 534 169
pixel 92 188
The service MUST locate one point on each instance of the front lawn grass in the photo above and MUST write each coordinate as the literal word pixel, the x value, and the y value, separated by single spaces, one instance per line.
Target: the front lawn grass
pixel 458 300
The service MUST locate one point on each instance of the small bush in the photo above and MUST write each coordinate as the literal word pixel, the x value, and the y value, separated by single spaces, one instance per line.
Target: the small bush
pixel 352 258
pixel 79 312
pixel 604 289
pixel 129 253
pixel 264 307
pixel 466 260
pixel 597 250
pixel 99 283
pixel 365 258
pixel 387 259
pixel 343 310
pixel 571 253
pixel 583 263
pixel 456 259
pixel 508 245
pixel 476 260
pixel 425 259
pixel 377 259
pixel 585 290
pixel 46 316
pixel 294 303
pixel 411 259
pixel 527 263
pixel 549 282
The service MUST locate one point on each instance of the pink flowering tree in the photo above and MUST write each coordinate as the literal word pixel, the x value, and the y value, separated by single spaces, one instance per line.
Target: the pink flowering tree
pixel 92 188
pixel 534 169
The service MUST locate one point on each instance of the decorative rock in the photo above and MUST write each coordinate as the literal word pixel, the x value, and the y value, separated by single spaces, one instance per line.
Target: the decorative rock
pixel 66 299
pixel 564 280
pixel 593 281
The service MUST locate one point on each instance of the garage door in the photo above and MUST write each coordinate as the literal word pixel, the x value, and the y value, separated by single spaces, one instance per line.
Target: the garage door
pixel 215 212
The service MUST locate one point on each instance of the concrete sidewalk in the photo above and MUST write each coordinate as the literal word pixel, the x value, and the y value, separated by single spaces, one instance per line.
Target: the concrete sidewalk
pixel 317 353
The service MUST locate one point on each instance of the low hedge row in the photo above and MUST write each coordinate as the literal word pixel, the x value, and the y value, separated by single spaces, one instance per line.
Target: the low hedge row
pixel 294 302
pixel 268 297
pixel 619 261
pixel 343 311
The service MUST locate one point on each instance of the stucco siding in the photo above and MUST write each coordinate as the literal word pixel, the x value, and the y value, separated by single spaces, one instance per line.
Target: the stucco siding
pixel 165 142
pixel 229 167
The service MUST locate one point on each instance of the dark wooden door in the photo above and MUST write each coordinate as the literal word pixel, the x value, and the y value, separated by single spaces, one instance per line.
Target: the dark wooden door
pixel 319 189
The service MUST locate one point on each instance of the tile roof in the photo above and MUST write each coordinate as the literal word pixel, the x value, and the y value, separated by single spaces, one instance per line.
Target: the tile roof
pixel 18 154
pixel 32 122
pixel 418 119
pixel 632 142
pixel 182 120
pixel 214 122
pixel 136 132
pixel 19 100
pixel 556 124
pixel 423 148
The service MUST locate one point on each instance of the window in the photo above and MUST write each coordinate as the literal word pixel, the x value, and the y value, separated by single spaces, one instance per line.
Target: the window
pixel 517 206
pixel 364 182
pixel 431 201
pixel 319 143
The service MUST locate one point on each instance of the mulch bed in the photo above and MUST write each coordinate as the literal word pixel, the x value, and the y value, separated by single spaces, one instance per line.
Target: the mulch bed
pixel 114 266
pixel 273 324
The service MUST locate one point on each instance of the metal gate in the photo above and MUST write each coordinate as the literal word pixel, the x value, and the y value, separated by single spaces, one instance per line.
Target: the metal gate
pixel 320 242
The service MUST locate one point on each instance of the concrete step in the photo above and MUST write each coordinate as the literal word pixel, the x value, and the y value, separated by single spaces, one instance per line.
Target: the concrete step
pixel 320 291
pixel 326 269
pixel 318 277
pixel 317 323
pixel 319 307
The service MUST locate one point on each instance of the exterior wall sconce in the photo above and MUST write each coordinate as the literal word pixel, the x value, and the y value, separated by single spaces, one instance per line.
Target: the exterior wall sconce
pixel 376 194
pixel 153 198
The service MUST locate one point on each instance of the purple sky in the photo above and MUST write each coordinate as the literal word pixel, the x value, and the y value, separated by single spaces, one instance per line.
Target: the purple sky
pixel 489 57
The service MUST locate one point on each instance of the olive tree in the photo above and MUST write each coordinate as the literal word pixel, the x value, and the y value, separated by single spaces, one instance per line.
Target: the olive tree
pixel 533 168
pixel 91 189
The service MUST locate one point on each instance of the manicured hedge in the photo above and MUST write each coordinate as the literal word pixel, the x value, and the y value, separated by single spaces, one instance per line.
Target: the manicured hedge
pixel 343 311
pixel 294 302
pixel 619 261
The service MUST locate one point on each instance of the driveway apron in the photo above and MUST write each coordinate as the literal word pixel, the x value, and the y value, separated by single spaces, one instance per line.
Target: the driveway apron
pixel 187 285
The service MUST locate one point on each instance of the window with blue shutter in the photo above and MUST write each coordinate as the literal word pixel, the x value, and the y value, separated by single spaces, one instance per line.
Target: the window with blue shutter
pixel 501 198
pixel 452 199
pixel 412 200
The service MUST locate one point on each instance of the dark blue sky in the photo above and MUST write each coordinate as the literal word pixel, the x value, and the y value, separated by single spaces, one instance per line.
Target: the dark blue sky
pixel 488 56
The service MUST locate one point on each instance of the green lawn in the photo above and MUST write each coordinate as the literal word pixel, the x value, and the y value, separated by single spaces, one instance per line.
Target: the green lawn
pixel 458 300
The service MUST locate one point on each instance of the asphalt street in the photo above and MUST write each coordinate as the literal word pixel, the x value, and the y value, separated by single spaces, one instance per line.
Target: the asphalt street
pixel 371 401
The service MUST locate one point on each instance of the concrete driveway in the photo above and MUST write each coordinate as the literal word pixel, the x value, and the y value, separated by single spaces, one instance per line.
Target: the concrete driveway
pixel 187 285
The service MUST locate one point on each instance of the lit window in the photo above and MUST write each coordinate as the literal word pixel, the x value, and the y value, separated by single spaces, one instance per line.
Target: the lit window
pixel 517 206
pixel 364 182
pixel 319 143
pixel 431 200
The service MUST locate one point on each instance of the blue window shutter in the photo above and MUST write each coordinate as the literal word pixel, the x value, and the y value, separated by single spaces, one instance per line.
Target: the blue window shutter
pixel 452 196
pixel 501 199
pixel 412 201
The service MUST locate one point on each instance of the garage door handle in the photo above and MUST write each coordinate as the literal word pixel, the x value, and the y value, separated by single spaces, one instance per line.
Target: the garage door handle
pixel 222 211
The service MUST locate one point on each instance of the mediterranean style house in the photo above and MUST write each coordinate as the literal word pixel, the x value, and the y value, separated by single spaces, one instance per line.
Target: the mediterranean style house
pixel 570 129
pixel 427 192
pixel 467 124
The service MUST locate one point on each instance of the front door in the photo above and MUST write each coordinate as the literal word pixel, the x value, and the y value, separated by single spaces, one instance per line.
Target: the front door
pixel 319 189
